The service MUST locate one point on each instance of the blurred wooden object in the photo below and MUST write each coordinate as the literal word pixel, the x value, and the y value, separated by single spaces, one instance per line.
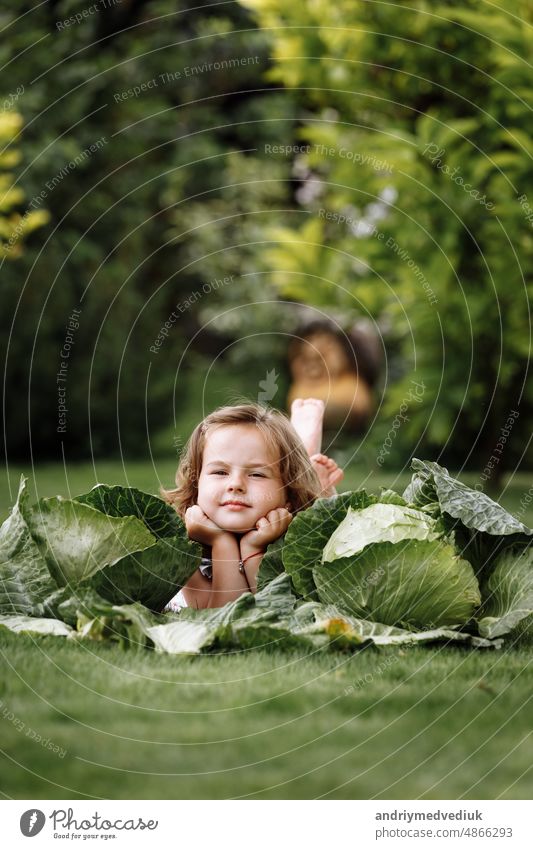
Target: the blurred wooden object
pixel 339 369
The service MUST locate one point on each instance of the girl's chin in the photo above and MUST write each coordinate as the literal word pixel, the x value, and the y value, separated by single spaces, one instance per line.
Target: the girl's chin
pixel 236 527
pixel 237 524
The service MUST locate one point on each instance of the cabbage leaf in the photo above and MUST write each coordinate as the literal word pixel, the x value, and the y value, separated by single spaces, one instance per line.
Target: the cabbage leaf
pixel 59 548
pixel 77 541
pixel 378 523
pixel 25 580
pixel 153 575
pixel 36 625
pixel 309 532
pixel 508 593
pixel 414 583
pixel 474 509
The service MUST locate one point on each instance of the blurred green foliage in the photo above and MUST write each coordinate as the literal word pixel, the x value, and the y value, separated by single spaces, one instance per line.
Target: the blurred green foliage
pixel 415 179
pixel 14 227
pixel 137 118
pixel 160 138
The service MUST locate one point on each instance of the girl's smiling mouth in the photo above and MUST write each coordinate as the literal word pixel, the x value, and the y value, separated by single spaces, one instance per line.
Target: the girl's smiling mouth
pixel 235 505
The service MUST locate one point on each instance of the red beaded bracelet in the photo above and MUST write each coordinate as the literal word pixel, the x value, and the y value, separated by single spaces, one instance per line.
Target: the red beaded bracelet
pixel 242 562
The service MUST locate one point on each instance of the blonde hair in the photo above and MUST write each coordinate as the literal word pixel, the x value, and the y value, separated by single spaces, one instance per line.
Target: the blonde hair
pixel 295 468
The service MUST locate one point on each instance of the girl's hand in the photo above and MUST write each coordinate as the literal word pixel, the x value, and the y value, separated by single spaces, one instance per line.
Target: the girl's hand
pixel 267 529
pixel 200 527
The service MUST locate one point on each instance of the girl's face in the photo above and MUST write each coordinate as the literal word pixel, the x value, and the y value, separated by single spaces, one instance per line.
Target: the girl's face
pixel 240 480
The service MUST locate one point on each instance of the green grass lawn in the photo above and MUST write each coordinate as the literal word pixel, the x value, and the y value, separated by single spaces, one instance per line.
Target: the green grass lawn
pixel 393 723
pixel 398 723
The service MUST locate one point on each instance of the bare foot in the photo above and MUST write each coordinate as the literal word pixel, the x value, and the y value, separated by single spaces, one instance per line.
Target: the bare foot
pixel 329 473
pixel 306 418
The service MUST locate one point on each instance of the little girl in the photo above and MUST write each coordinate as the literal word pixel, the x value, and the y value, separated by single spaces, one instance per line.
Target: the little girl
pixel 244 473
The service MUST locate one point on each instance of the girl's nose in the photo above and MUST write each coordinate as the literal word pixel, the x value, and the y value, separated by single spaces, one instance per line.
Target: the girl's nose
pixel 236 481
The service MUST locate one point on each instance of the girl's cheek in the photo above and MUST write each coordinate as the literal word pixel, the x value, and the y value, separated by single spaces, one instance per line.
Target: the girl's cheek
pixel 203 490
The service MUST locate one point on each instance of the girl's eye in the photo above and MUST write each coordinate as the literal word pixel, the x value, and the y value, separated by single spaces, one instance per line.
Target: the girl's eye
pixel 258 475
pixel 219 472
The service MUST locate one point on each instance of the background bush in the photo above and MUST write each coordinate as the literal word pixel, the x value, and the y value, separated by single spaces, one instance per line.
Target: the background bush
pixel 417 129
pixel 131 223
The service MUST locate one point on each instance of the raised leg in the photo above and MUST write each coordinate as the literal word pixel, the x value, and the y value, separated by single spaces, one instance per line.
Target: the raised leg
pixel 307 415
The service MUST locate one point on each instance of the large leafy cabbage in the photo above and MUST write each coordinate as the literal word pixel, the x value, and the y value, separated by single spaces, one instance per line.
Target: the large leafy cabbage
pixel 78 541
pixel 385 562
pixel 152 575
pixel 58 549
pixel 412 583
pixel 351 570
